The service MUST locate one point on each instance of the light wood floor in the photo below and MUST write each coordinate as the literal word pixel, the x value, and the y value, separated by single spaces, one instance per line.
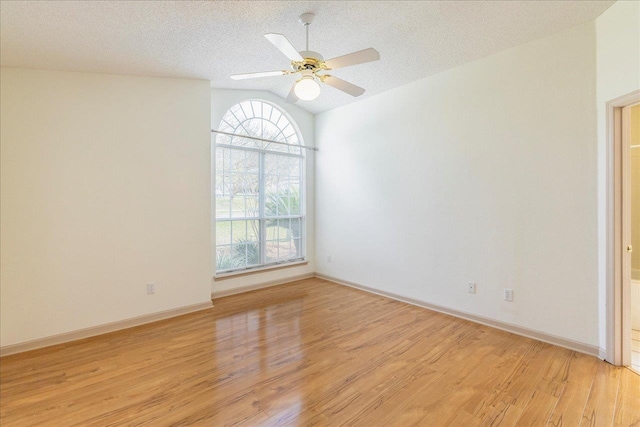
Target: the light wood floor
pixel 635 349
pixel 314 353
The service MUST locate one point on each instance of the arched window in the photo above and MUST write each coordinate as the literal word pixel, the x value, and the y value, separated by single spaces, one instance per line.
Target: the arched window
pixel 258 188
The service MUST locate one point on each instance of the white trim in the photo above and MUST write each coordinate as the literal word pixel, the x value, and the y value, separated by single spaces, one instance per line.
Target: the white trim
pixel 268 284
pixel 101 329
pixel 602 353
pixel 580 347
pixel 259 269
pixel 140 320
pixel 613 269
pixel 626 235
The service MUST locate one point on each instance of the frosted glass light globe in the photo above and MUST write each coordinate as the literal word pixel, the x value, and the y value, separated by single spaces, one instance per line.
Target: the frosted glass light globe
pixel 307 88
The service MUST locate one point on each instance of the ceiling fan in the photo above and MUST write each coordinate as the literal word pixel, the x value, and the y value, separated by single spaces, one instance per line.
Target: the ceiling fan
pixel 309 64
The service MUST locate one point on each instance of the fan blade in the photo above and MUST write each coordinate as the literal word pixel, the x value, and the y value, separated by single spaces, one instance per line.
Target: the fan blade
pixel 284 46
pixel 292 98
pixel 355 58
pixel 257 75
pixel 344 86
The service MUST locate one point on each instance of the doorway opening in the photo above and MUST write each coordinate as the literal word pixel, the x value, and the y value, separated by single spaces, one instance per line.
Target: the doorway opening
pixel 623 231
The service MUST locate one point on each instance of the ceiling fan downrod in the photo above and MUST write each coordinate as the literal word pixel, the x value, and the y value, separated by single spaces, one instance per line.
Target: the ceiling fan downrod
pixel 306 19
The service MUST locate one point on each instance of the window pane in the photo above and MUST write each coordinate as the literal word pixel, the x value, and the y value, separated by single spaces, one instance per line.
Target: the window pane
pixel 294 203
pixel 271 230
pixel 229 123
pixel 283 239
pixel 253 231
pixel 223 207
pixel 240 183
pixel 271 183
pixel 266 112
pixel 223 233
pixel 297 248
pixel 252 251
pixel 282 185
pixel 220 152
pixel 294 165
pixel 237 160
pixel 223 259
pixel 296 228
pixel 273 234
pixel 253 127
pixel 237 244
pixel 239 231
pixel 253 206
pixel 237 206
pixel 236 111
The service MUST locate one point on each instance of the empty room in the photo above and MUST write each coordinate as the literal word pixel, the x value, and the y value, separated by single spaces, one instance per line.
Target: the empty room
pixel 301 213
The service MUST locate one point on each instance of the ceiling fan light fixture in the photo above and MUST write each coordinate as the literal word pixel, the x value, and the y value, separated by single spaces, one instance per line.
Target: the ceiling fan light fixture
pixel 307 88
pixel 308 63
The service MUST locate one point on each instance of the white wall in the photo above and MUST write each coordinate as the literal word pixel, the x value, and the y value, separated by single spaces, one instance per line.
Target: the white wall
pixel 221 101
pixel 105 187
pixel 485 173
pixel 618 73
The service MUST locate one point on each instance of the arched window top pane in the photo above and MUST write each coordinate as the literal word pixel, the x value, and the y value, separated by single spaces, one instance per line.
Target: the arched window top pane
pixel 259 119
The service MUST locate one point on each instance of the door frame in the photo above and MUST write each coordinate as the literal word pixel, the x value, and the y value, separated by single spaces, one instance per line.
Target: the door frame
pixel 618 234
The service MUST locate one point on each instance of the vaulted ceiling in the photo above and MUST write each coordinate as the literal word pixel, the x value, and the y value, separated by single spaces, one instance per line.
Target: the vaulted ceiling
pixel 212 40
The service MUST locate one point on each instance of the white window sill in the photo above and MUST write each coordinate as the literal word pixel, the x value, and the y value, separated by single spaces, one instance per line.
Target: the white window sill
pixel 232 274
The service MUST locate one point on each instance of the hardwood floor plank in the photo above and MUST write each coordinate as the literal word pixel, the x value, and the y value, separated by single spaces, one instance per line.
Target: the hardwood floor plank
pixel 570 406
pixel 313 353
pixel 601 402
pixel 502 411
pixel 540 404
pixel 627 411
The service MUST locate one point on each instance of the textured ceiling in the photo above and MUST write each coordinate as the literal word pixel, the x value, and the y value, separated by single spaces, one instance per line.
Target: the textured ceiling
pixel 212 40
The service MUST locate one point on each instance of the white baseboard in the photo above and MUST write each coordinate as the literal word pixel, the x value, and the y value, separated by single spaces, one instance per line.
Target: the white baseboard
pixel 602 353
pixel 518 330
pixel 136 321
pixel 140 320
pixel 249 288
pixel 100 329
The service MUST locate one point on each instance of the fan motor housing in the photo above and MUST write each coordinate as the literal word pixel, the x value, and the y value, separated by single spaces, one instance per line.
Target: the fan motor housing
pixel 311 54
pixel 312 61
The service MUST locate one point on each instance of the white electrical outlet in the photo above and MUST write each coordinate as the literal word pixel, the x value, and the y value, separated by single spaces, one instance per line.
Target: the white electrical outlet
pixel 508 295
pixel 471 288
pixel 151 288
pixel 329 259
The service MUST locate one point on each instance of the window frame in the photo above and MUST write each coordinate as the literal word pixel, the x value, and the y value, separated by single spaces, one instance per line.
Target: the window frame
pixel 261 218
